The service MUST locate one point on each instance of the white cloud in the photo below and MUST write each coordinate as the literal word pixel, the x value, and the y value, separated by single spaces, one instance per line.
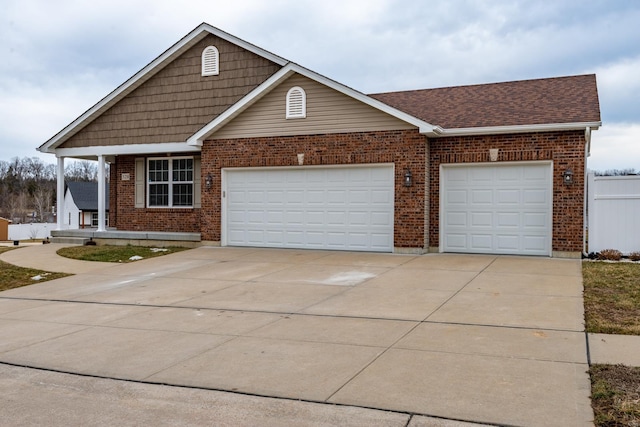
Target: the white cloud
pixel 615 146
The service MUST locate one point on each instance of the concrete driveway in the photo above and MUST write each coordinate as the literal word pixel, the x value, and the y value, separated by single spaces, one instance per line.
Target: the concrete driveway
pixel 487 339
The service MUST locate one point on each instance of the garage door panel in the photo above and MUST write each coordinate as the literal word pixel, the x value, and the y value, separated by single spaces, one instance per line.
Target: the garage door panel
pixel 534 243
pixel 358 197
pixel 536 175
pixel 508 219
pixel 497 208
pixel 294 217
pixel 479 197
pixel 456 196
pixel 236 196
pixel 381 197
pixel 347 208
pixel 381 219
pixel 481 242
pixel 337 197
pixel 312 196
pixel 482 174
pixel 536 220
pixel 506 175
pixel 275 218
pixel 456 219
pixel 509 196
pixel 508 243
pixel 315 217
pixel 536 196
pixel 481 219
pixel 356 218
pixel 253 235
pixel 456 241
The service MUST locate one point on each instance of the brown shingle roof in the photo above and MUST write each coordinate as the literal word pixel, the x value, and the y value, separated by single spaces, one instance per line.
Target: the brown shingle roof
pixel 571 99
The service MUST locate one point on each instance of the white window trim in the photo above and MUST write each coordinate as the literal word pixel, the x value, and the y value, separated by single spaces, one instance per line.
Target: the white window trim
pixel 94 215
pixel 170 183
pixel 303 107
pixel 210 61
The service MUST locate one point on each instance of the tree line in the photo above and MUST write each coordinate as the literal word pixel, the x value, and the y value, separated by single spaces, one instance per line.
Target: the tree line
pixel 28 187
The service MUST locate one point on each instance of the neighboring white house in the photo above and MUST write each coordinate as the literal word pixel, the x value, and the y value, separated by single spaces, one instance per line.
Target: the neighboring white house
pixel 81 205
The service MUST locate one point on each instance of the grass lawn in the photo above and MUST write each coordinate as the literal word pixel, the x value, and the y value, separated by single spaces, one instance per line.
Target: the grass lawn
pixel 612 306
pixel 612 297
pixel 12 276
pixel 115 253
pixel 615 395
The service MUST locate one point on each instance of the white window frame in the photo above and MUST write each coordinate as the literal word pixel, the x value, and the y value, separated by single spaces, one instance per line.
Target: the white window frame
pixel 94 220
pixel 170 183
pixel 210 61
pixel 296 108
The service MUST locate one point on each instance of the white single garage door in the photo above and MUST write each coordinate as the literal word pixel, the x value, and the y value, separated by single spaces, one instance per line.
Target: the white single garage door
pixel 338 208
pixel 497 209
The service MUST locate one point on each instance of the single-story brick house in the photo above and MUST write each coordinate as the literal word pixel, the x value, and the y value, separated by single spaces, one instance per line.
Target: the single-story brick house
pixel 219 137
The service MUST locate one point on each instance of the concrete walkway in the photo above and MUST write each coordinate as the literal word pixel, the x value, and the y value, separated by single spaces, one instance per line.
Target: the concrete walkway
pixel 483 339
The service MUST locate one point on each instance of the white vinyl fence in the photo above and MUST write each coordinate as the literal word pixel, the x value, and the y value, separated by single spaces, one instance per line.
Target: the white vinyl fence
pixel 614 213
pixel 30 231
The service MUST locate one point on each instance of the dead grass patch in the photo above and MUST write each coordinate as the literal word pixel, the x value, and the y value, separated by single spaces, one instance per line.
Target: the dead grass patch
pixel 115 253
pixel 612 297
pixel 12 276
pixel 615 395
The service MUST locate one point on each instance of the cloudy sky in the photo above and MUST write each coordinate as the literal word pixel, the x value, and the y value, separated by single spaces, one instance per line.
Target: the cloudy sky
pixel 58 58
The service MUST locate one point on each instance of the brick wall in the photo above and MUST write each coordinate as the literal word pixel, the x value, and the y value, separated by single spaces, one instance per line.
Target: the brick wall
pixel 565 149
pixel 404 148
pixel 124 216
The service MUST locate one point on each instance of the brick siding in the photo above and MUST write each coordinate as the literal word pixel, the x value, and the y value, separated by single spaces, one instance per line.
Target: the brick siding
pixel 404 148
pixel 565 149
pixel 125 216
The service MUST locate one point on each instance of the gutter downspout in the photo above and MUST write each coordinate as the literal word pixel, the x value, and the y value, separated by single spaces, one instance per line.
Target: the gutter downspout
pixel 587 153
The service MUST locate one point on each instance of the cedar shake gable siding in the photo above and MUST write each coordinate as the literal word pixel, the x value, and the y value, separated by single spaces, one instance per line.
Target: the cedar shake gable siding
pixel 177 101
pixel 572 99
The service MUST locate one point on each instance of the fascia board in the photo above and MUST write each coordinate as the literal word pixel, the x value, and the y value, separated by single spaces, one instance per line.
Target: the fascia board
pixel 128 149
pixel 148 71
pixel 493 130
pixel 245 102
pixel 244 44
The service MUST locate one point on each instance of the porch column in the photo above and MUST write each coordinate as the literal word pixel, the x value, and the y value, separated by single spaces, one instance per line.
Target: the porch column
pixel 101 193
pixel 60 194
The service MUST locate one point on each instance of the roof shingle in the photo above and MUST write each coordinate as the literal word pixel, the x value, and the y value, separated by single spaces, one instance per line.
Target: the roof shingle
pixel 85 195
pixel 572 99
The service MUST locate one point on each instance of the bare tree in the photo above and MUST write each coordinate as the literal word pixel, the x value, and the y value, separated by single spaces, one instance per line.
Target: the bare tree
pixel 616 172
pixel 82 170
pixel 17 207
pixel 42 202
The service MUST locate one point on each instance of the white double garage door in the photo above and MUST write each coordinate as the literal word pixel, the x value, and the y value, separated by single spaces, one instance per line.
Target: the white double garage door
pixel 503 209
pixel 336 208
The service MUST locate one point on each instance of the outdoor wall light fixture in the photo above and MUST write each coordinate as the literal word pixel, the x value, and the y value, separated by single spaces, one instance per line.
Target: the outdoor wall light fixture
pixel 208 182
pixel 408 178
pixel 567 176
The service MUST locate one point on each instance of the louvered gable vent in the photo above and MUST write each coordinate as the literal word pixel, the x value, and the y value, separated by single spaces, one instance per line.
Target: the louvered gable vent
pixel 210 60
pixel 296 103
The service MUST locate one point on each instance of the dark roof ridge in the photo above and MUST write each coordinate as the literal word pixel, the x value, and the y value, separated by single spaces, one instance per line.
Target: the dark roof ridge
pixel 472 85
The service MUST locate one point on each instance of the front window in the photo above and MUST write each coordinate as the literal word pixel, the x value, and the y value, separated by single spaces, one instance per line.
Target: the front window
pixel 170 182
pixel 94 219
